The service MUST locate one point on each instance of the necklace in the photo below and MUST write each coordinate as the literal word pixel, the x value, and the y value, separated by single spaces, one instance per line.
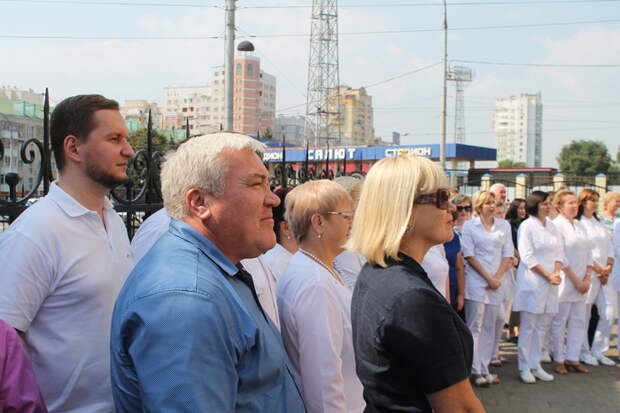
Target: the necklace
pixel 322 264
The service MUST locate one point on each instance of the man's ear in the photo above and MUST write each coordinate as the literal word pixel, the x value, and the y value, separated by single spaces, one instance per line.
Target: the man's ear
pixel 198 202
pixel 71 146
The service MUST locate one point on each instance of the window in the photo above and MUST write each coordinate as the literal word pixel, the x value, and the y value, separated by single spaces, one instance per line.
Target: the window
pixel 250 69
pixel 238 69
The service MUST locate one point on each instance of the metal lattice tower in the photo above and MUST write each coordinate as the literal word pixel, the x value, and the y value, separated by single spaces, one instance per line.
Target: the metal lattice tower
pixel 323 100
pixel 460 75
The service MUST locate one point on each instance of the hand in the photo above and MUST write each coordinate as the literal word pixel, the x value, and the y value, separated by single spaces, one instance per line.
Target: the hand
pixel 604 278
pixel 515 261
pixel 460 302
pixel 584 286
pixel 554 278
pixel 494 283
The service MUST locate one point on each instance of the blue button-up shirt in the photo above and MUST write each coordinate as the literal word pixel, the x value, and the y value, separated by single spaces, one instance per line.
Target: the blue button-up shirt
pixel 188 336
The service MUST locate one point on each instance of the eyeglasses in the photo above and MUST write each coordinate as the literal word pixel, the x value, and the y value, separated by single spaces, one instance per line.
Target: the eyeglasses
pixel 346 214
pixel 464 208
pixel 441 199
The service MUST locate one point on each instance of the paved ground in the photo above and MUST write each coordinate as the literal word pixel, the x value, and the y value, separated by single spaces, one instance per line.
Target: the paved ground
pixel 598 392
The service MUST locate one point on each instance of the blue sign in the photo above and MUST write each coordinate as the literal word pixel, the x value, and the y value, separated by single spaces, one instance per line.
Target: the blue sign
pixel 373 153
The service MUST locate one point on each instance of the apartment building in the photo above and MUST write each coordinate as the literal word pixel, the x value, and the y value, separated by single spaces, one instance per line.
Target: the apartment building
pixel 517 122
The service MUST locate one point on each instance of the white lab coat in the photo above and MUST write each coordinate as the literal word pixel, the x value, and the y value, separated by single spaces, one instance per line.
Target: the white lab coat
pixel 616 270
pixel 578 254
pixel 600 243
pixel 315 315
pixel 538 245
pixel 349 264
pixel 437 268
pixel 277 258
pixel 490 248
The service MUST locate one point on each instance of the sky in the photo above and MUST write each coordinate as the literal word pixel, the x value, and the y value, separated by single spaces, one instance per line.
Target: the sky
pixel 568 50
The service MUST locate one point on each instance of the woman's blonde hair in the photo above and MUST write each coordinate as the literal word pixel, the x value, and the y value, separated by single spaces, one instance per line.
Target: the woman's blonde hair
pixel 479 199
pixel 558 200
pixel 307 199
pixel 609 197
pixel 385 208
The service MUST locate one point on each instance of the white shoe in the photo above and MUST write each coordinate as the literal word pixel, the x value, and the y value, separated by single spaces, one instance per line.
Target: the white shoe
pixel 589 359
pixel 492 378
pixel 527 377
pixel 543 375
pixel 545 357
pixel 605 361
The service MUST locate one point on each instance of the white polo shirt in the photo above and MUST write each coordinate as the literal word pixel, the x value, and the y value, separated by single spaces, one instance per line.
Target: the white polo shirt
pixel 61 272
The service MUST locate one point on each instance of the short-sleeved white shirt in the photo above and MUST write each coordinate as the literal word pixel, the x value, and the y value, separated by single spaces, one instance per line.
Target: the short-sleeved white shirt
pixel 61 272
pixel 578 255
pixel 490 248
pixel 437 268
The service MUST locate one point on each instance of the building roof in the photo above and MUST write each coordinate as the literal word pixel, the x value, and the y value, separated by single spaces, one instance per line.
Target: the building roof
pixel 21 108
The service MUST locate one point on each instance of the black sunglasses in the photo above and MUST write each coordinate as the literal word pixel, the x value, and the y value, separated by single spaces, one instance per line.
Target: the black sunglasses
pixel 441 199
pixel 464 208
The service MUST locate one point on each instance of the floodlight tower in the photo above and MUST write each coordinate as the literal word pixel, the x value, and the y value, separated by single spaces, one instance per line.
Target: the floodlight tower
pixel 460 75
pixel 323 100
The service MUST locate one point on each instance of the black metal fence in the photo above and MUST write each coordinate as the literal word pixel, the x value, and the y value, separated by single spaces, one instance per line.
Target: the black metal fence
pixel 135 200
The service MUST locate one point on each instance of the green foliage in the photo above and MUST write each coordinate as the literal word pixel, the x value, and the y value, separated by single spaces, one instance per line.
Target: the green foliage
pixel 584 157
pixel 161 143
pixel 508 163
pixel 267 134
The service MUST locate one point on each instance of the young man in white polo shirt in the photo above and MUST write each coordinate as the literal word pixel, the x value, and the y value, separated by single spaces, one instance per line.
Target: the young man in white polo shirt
pixel 66 257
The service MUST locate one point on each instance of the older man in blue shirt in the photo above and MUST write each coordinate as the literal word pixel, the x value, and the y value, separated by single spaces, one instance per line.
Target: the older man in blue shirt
pixel 188 333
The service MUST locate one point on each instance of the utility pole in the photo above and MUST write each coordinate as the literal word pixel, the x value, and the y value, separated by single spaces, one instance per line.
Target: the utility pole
pixel 442 126
pixel 229 61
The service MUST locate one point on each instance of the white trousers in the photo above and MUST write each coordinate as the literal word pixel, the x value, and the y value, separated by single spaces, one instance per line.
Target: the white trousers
pixel 532 332
pixel 585 348
pixel 606 313
pixel 503 315
pixel 481 319
pixel 571 318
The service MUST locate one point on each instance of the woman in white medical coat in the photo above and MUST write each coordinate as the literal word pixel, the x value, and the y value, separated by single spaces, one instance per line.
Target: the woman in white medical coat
pixel 278 257
pixel 576 279
pixel 603 261
pixel 538 277
pixel 314 302
pixel 488 252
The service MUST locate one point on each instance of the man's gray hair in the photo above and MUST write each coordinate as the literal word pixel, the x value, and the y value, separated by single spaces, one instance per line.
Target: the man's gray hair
pixel 495 186
pixel 197 164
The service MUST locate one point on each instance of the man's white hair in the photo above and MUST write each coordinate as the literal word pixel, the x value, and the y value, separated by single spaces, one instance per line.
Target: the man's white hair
pixel 496 186
pixel 197 164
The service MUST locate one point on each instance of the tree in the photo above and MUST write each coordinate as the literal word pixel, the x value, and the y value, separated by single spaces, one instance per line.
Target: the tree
pixel 508 163
pixel 161 143
pixel 583 157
